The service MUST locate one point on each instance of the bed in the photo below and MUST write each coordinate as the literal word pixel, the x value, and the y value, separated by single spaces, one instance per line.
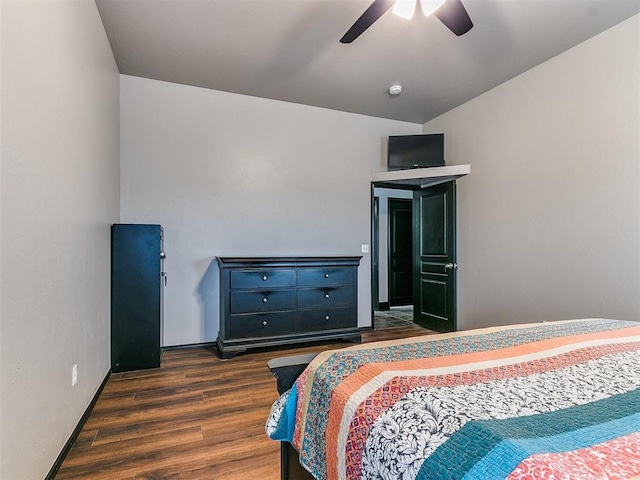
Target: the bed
pixel 536 401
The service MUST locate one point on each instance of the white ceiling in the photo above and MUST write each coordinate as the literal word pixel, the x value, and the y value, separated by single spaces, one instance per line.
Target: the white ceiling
pixel 289 49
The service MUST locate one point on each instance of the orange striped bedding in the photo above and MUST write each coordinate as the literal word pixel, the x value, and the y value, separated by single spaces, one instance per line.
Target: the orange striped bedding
pixel 551 400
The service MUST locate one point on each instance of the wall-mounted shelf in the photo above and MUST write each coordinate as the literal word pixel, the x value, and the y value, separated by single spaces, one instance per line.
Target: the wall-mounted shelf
pixel 420 177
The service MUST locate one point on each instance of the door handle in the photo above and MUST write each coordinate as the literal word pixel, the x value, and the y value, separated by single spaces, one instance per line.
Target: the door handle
pixel 451 266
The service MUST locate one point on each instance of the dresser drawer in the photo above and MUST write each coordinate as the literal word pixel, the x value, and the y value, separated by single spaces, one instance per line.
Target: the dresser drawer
pixel 266 278
pixel 325 276
pixel 326 319
pixel 262 324
pixel 325 297
pixel 264 301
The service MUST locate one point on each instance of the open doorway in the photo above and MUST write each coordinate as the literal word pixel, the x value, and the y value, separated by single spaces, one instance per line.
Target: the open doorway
pixel 392 257
pixel 433 191
pixel 414 244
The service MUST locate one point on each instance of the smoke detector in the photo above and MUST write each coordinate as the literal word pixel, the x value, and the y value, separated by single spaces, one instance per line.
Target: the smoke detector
pixel 395 89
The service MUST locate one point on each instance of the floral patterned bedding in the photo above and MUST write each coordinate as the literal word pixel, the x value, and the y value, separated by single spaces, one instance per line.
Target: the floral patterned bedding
pixel 538 401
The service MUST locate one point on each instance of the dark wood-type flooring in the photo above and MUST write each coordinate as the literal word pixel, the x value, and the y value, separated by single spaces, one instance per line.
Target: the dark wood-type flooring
pixel 195 417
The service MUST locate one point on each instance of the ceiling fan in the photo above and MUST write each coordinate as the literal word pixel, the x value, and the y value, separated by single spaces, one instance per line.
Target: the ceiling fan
pixel 450 12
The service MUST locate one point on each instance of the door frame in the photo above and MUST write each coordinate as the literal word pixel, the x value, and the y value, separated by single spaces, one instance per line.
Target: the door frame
pixel 375 248
pixel 375 244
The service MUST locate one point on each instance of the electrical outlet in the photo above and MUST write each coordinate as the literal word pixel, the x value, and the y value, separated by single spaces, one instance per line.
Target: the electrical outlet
pixel 74 375
pixel 364 248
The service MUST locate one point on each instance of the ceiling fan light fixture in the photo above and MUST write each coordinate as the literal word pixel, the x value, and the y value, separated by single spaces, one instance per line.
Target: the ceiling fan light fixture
pixel 405 8
pixel 430 6
pixel 454 16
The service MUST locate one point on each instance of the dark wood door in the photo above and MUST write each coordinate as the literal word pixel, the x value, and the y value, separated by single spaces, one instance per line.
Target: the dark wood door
pixel 400 252
pixel 434 257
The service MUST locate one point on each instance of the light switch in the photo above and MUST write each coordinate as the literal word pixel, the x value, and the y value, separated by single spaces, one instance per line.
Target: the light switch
pixel 364 248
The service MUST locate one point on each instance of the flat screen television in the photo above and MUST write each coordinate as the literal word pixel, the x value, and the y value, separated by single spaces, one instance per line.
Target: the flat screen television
pixel 415 151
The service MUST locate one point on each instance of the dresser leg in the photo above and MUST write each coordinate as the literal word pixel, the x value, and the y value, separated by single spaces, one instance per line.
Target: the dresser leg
pixel 355 338
pixel 228 355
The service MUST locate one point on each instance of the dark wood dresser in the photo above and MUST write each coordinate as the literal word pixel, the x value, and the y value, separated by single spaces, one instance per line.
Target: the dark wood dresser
pixel 268 301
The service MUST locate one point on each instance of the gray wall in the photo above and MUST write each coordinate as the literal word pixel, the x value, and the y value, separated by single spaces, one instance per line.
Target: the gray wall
pixel 59 194
pixel 228 174
pixel 549 218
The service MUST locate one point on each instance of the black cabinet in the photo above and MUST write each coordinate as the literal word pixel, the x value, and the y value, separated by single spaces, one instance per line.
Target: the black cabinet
pixel 136 296
pixel 268 301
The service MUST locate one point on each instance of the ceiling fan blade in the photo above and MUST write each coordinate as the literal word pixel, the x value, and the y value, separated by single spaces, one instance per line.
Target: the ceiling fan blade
pixel 370 15
pixel 454 16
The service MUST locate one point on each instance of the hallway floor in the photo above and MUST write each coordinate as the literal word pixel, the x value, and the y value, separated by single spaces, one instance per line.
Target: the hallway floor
pixel 395 317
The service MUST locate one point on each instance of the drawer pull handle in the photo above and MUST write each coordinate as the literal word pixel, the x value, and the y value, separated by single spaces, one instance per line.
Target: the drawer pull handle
pixel 326 275
pixel 264 278
pixel 264 322
pixel 326 295
pixel 326 317
pixel 265 300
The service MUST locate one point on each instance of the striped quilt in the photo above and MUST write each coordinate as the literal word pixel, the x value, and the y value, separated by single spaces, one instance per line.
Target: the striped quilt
pixel 556 400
